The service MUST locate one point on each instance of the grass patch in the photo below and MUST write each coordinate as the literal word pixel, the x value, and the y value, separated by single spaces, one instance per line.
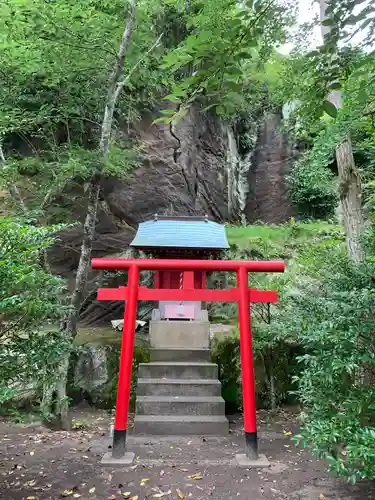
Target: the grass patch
pixel 281 234
pixel 270 241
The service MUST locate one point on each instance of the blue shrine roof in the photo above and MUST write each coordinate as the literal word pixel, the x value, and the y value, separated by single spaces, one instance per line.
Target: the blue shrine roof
pixel 181 232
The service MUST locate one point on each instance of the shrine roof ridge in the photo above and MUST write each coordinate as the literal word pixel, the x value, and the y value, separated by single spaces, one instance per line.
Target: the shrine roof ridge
pixel 181 232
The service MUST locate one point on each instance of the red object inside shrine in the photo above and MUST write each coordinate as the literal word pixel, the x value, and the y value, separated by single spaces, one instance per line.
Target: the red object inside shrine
pixel 172 280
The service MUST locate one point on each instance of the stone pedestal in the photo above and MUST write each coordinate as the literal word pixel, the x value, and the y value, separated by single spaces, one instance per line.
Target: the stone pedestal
pixel 179 334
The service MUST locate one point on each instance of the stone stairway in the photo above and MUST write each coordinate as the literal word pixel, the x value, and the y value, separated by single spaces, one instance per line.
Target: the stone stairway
pixel 179 393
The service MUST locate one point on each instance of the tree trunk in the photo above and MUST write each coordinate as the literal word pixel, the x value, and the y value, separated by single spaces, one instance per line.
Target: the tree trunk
pixel 70 326
pixel 114 89
pixel 62 401
pixel 12 188
pixel 350 197
pixel 349 178
pixel 270 378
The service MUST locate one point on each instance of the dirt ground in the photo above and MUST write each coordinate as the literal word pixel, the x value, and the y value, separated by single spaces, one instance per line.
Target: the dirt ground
pixel 39 464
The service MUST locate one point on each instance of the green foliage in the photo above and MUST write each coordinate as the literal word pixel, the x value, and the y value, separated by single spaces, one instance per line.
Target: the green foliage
pixel 325 319
pixel 275 351
pixel 311 185
pixel 274 367
pixel 29 297
pixel 55 61
pixel 333 321
pixel 337 72
pixel 325 309
pixel 227 42
pixel 348 18
pixel 226 353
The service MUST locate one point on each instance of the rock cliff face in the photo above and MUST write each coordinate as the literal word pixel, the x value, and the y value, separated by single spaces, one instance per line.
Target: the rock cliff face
pixel 268 199
pixel 190 168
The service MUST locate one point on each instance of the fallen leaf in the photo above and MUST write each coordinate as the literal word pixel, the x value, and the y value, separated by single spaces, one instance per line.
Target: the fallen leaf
pixel 162 494
pixel 92 490
pixel 134 498
pixel 144 481
pixel 196 477
pixel 322 497
pixel 67 492
pixel 31 483
pixel 126 494
pixel 112 497
pixel 76 495
pixel 31 498
pixel 287 433
pixel 180 494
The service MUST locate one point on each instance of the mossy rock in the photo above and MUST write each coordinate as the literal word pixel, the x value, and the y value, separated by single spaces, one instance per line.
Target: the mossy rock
pixel 98 336
pixel 109 341
pixel 105 395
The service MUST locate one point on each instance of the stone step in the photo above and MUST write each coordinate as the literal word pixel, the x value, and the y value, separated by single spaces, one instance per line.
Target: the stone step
pixel 180 405
pixel 178 387
pixel 177 425
pixel 180 354
pixel 182 370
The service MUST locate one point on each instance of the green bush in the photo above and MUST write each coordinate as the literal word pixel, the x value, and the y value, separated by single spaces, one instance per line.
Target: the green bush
pixel 226 353
pixel 30 298
pixel 274 369
pixel 333 319
pixel 312 190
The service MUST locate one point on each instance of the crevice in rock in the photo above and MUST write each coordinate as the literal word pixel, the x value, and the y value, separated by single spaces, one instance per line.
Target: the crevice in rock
pixel 176 150
pixel 176 155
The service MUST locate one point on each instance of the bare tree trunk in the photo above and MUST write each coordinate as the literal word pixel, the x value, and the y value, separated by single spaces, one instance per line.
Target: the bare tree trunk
pixel 349 178
pixel 12 188
pixel 350 191
pixel 114 90
pixel 46 403
pixel 95 181
pixel 351 199
pixel 70 327
pixel 273 398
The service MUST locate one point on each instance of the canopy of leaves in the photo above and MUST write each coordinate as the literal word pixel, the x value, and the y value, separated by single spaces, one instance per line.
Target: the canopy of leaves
pixel 308 79
pixel 55 60
pixel 226 46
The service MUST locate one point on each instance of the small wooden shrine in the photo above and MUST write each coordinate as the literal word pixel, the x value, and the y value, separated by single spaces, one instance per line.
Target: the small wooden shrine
pixel 180 238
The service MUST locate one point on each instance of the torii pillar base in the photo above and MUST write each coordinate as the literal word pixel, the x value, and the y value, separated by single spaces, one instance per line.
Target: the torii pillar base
pixel 126 460
pixel 245 462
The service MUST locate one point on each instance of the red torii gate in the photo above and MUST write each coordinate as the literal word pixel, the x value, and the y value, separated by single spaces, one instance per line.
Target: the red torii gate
pixel 133 292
